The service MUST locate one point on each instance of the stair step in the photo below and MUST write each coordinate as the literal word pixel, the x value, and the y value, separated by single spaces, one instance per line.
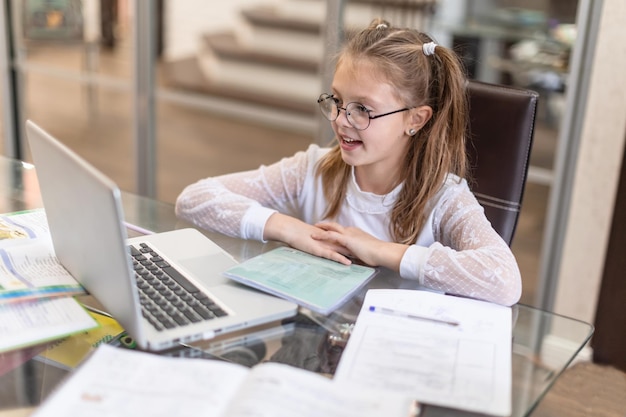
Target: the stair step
pixel 186 74
pixel 228 64
pixel 400 4
pixel 273 58
pixel 272 31
pixel 359 13
pixel 265 16
pixel 226 46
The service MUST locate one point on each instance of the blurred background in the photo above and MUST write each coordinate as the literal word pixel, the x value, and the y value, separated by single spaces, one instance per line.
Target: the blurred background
pixel 158 94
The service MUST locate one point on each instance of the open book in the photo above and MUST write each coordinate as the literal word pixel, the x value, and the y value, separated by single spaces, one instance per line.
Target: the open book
pixel 35 290
pixel 316 283
pixel 120 382
pixel 29 268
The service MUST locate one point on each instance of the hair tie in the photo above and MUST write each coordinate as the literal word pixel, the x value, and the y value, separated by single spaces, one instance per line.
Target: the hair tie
pixel 381 26
pixel 429 48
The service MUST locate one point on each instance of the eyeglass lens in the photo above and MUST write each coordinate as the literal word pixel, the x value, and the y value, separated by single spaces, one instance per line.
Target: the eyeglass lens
pixel 356 113
pixel 328 106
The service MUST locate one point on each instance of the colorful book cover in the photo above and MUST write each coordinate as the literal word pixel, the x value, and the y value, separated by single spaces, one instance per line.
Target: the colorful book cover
pixel 69 352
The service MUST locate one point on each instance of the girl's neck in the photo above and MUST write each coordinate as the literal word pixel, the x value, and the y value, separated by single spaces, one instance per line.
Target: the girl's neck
pixel 371 181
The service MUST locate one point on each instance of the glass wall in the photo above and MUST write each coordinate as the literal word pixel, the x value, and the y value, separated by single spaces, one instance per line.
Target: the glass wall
pixel 235 83
pixel 75 77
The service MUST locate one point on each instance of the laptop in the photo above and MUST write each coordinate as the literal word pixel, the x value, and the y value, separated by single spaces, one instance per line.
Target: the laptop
pixel 86 222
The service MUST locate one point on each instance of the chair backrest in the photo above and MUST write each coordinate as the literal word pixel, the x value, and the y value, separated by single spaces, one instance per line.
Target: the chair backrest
pixel 501 129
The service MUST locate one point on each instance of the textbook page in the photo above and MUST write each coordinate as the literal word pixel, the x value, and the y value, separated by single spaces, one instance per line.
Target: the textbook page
pixel 441 350
pixel 119 382
pixel 32 322
pixel 316 283
pixel 277 390
pixel 28 264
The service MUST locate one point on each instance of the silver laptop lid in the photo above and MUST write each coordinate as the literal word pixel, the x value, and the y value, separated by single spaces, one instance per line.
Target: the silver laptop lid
pixel 86 222
pixel 91 247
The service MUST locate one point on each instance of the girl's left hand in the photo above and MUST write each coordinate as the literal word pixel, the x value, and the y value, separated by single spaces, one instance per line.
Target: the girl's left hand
pixel 361 245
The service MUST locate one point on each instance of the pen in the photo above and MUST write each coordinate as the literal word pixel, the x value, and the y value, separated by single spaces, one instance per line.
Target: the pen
pixel 396 313
pixel 138 229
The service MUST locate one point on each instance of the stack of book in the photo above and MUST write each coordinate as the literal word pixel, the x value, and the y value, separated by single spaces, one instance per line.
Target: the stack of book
pixel 37 301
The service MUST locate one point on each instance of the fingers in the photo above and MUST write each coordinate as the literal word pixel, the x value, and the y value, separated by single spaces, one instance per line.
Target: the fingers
pixel 328 231
pixel 332 239
pixel 337 257
pixel 330 247
pixel 330 226
pixel 332 250
pixel 331 234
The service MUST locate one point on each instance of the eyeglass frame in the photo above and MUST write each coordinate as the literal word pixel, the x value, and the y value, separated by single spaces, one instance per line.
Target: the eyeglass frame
pixel 325 96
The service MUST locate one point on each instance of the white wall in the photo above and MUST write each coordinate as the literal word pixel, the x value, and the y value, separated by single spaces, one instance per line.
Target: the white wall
pixel 597 172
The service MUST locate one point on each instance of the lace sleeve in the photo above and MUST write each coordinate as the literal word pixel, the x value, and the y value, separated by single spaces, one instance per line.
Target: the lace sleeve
pixel 239 204
pixel 469 257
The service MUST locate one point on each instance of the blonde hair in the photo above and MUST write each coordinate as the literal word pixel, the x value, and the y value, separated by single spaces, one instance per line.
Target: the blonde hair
pixel 438 81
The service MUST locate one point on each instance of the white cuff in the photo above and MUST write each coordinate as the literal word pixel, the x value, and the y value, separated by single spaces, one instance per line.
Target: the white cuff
pixel 253 222
pixel 412 263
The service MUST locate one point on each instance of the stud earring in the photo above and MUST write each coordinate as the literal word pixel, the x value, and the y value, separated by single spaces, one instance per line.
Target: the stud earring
pixel 412 132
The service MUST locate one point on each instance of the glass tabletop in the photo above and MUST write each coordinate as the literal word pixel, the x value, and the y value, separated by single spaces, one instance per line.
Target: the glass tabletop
pixel 544 343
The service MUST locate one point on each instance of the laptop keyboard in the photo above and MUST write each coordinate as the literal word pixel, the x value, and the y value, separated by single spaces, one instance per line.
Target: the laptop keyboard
pixel 168 299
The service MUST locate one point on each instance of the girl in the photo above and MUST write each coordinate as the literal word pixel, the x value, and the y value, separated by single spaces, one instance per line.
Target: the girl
pixel 391 192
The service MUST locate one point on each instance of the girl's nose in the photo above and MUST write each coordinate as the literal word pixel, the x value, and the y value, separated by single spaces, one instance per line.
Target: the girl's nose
pixel 342 118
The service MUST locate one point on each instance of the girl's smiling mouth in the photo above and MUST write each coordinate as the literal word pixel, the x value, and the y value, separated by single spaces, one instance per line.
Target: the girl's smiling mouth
pixel 349 143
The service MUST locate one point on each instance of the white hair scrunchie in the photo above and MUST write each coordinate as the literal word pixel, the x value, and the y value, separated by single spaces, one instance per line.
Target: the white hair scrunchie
pixel 429 48
pixel 381 26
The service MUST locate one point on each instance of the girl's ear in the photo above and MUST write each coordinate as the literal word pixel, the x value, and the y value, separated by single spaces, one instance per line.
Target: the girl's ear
pixel 419 116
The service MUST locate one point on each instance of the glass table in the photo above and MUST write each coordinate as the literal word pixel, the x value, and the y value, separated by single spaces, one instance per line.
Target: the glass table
pixel 544 343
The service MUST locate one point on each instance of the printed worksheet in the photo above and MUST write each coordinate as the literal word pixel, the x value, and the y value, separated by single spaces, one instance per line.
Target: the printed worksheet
pixel 439 349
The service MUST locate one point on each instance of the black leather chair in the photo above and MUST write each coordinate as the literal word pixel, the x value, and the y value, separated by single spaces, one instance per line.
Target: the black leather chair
pixel 500 136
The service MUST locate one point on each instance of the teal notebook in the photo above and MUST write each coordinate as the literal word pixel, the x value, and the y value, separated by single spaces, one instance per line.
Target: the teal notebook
pixel 318 284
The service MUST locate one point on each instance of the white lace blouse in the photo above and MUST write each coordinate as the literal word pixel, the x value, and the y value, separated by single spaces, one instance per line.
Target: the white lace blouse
pixel 457 251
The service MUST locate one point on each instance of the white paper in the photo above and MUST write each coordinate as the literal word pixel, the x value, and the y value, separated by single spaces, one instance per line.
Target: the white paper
pixel 120 382
pixel 277 390
pixel 37 321
pixel 458 356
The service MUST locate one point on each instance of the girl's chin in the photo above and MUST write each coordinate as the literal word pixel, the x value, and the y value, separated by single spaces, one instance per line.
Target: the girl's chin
pixel 350 158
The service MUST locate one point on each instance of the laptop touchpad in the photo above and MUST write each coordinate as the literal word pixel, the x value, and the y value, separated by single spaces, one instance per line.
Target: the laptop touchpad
pixel 208 268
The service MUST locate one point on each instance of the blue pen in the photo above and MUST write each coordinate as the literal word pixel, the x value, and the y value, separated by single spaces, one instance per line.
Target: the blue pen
pixel 396 313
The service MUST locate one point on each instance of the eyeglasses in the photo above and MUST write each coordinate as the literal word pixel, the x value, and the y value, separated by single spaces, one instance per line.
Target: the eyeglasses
pixel 357 114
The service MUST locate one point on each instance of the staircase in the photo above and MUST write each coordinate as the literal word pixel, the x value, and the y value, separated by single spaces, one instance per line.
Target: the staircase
pixel 272 59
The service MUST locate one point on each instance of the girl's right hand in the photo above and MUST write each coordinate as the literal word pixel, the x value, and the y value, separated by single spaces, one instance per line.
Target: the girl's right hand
pixel 297 234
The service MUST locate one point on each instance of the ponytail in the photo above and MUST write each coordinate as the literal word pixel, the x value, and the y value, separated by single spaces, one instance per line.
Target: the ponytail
pixel 423 73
